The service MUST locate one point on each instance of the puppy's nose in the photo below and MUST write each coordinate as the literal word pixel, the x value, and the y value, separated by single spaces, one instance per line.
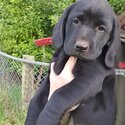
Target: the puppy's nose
pixel 82 46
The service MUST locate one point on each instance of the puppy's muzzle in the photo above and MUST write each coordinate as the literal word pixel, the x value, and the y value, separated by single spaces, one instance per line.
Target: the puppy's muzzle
pixel 82 46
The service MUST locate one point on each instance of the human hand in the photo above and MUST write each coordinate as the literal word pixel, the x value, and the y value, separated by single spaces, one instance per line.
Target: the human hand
pixel 65 77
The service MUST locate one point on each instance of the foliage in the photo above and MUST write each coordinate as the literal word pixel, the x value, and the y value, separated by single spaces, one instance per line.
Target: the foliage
pixel 22 21
pixel 10 105
pixel 118 5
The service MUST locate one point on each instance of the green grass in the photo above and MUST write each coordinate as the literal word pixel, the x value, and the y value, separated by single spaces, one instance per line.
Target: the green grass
pixel 10 105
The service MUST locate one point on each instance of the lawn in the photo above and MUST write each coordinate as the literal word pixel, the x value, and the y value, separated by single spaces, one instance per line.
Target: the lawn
pixel 10 105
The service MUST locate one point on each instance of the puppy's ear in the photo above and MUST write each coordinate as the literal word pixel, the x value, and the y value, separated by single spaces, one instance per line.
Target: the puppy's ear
pixel 114 44
pixel 59 29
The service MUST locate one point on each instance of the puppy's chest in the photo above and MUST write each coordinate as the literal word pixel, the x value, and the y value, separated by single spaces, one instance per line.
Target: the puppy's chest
pixel 87 68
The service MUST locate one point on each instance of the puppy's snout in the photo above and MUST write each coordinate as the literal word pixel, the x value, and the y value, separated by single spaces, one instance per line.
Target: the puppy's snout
pixel 82 46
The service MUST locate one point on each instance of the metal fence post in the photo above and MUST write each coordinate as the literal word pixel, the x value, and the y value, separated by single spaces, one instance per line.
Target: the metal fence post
pixel 27 82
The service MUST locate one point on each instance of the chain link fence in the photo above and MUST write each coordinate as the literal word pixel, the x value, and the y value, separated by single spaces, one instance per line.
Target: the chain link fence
pixel 19 79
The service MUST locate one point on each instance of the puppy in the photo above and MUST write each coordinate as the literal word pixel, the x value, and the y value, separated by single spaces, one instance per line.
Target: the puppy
pixel 88 30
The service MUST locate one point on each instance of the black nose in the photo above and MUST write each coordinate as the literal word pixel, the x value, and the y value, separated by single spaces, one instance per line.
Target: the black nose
pixel 82 47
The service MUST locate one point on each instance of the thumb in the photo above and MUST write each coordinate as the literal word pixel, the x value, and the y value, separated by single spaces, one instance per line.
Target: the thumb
pixel 52 73
pixel 69 65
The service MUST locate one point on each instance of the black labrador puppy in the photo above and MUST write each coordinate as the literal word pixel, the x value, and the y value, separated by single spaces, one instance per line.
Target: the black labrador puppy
pixel 88 30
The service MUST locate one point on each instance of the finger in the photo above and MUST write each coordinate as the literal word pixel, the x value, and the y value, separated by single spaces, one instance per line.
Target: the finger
pixel 69 65
pixel 52 73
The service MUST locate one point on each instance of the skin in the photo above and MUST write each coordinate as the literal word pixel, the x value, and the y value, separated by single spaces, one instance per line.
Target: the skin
pixel 65 77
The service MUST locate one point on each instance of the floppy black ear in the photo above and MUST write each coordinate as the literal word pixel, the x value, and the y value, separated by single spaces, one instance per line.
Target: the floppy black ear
pixel 59 29
pixel 114 44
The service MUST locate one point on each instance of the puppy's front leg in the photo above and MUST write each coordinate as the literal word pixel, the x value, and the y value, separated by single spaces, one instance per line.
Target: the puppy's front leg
pixel 37 103
pixel 68 96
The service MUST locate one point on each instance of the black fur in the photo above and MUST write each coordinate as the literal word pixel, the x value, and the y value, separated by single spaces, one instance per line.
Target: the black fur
pixel 90 23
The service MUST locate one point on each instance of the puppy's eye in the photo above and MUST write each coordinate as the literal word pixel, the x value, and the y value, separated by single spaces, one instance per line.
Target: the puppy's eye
pixel 76 21
pixel 100 28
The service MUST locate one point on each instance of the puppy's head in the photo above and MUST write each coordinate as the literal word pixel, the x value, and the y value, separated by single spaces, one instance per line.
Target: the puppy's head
pixel 85 28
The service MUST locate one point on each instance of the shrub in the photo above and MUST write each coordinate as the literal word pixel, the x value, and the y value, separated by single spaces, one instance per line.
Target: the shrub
pixel 22 22
pixel 118 5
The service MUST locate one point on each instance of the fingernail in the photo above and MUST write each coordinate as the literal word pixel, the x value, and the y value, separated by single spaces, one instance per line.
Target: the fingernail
pixel 73 58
